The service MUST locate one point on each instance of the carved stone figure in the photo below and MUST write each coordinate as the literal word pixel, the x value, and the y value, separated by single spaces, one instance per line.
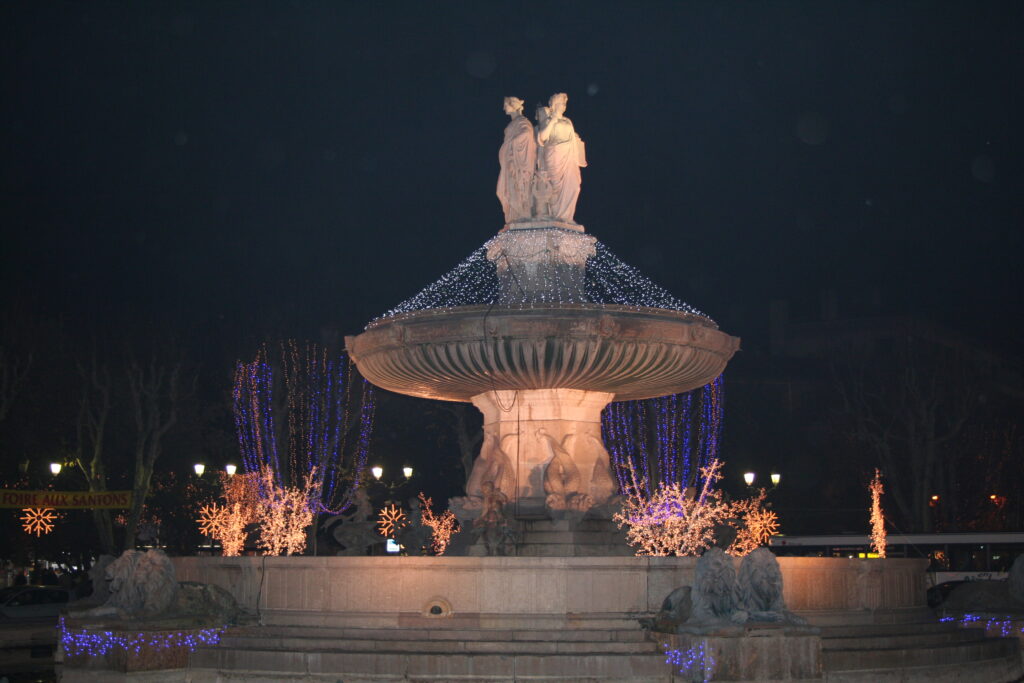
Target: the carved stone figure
pixel 518 160
pixel 356 530
pixel 760 582
pixel 602 486
pixel 141 584
pixel 560 156
pixel 563 484
pixel 492 526
pixel 714 592
pixel 494 465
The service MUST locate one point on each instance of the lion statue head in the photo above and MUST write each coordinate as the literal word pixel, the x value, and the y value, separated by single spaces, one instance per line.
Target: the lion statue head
pixel 760 582
pixel 141 583
pixel 714 587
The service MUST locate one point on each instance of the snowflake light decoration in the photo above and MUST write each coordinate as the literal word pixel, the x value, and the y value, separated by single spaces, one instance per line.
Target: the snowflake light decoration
pixel 754 524
pixel 38 521
pixel 390 520
pixel 211 520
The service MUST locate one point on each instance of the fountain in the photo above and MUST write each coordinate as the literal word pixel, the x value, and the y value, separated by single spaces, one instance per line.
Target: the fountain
pixel 540 329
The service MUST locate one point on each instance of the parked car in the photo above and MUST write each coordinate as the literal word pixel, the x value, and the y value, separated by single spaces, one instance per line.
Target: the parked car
pixel 31 602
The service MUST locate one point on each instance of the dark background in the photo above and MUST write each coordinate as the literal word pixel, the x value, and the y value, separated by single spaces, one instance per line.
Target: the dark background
pixel 226 173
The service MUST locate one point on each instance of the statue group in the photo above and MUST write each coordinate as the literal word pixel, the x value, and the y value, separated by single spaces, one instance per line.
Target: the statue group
pixel 540 170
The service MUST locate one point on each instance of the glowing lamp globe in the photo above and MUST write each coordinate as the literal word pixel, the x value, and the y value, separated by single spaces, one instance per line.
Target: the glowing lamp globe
pixel 230 469
pixel 749 478
pixel 377 471
pixel 776 478
pixel 407 471
pixel 55 468
pixel 199 468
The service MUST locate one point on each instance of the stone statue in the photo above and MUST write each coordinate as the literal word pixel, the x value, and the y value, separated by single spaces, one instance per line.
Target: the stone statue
pixel 494 465
pixel 518 160
pixel 143 587
pixel 560 156
pixel 714 592
pixel 760 589
pixel 563 484
pixel 492 524
pixel 356 529
pixel 141 584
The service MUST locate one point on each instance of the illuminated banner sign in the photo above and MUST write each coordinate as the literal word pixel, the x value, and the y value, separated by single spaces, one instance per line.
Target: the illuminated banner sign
pixel 65 500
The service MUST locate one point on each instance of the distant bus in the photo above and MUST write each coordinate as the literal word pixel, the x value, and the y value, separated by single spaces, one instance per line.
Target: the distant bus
pixel 952 557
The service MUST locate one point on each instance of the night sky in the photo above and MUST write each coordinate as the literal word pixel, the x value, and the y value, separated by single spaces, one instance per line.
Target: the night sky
pixel 229 173
pixel 259 170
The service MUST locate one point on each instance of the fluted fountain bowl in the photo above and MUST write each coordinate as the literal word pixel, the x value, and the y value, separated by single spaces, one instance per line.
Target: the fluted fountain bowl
pixel 455 353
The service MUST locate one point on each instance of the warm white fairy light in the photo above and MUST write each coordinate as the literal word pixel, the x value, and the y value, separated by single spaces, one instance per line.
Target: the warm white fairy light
pixel 442 526
pixel 878 541
pixel 754 524
pixel 285 513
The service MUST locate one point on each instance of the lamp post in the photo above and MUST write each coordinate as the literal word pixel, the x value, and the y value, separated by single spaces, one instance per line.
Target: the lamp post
pixel 392 486
pixel 199 469
pixel 750 477
pixel 55 468
pixel 230 469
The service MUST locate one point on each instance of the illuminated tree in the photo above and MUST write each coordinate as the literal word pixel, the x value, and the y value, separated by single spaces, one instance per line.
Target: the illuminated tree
pixel 442 526
pixel 672 520
pixel 285 512
pixel 227 522
pixel 877 518
pixel 305 416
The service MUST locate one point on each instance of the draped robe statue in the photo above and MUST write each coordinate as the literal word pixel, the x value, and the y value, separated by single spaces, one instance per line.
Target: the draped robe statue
pixel 560 156
pixel 518 159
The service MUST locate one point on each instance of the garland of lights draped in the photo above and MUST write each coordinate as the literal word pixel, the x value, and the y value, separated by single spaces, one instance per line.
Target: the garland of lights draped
pixel 294 414
pixel 666 440
pixel 607 281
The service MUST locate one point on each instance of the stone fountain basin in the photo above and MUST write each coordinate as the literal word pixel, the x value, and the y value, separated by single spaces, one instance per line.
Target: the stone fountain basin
pixel 456 353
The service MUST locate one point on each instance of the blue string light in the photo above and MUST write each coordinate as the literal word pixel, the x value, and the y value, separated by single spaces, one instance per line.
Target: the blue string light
pixel 82 642
pixel 315 413
pixel 698 660
pixel 655 436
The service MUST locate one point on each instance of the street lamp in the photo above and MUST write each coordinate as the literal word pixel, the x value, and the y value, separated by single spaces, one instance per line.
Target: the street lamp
pixel 749 478
pixel 199 468
pixel 55 468
pixel 776 478
pixel 392 486
pixel 230 469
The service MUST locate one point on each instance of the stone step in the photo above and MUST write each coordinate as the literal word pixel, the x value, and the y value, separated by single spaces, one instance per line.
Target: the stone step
pixel 439 646
pixel 954 653
pixel 902 640
pixel 830 618
pixel 568 635
pixel 601 622
pixel 222 664
pixel 880 630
